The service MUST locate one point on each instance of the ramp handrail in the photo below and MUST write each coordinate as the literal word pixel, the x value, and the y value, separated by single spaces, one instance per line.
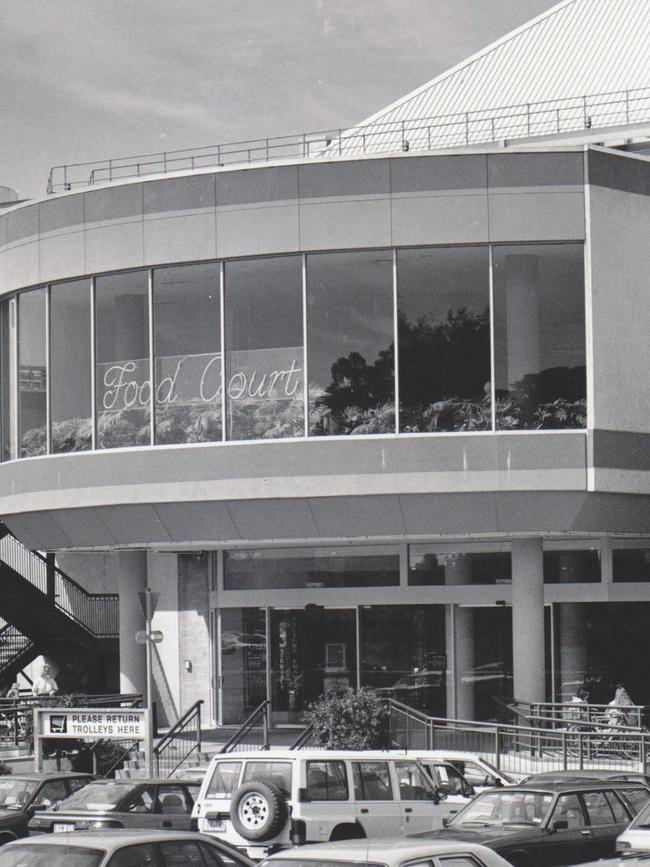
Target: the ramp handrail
pixel 185 733
pixel 259 716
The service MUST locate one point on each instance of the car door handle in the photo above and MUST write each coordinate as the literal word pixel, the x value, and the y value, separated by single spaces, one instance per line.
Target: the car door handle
pixel 364 810
pixel 586 832
pixel 408 809
pixel 166 823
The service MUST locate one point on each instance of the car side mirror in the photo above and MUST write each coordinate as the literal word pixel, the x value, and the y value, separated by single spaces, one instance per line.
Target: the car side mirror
pixel 34 807
pixel 490 780
pixel 469 790
pixel 560 825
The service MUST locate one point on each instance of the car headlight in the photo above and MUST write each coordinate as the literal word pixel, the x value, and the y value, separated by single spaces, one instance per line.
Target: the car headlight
pixel 623 844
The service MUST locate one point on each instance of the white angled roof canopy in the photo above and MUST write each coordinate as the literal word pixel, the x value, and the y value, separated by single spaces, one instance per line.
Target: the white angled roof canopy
pixel 582 63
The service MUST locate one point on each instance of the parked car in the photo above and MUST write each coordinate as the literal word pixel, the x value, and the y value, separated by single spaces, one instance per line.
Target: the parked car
pixel 477 771
pixel 546 825
pixel 121 849
pixel 591 774
pixel 637 835
pixel 264 800
pixel 149 804
pixel 388 853
pixel 21 795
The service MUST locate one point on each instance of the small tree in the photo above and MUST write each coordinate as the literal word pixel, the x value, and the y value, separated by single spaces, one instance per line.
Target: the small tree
pixel 349 720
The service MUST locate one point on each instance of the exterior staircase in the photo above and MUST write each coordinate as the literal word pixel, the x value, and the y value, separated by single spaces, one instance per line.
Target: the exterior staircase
pixel 44 611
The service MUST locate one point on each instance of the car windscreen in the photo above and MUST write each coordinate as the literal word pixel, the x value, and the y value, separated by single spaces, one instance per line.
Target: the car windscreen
pixel 505 808
pixel 96 797
pixel 15 792
pixel 33 855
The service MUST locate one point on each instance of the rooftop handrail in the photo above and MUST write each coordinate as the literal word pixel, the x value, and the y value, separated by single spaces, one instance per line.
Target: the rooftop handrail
pixel 424 133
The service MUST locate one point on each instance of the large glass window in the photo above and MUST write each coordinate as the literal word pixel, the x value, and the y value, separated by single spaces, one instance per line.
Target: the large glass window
pixel 123 383
pixel 444 339
pixel 70 366
pixel 313 650
pixel 403 654
pixel 264 349
pixel 32 373
pixel 600 646
pixel 311 567
pixel 187 351
pixel 7 378
pixel 631 564
pixel 572 567
pixel 539 336
pixel 350 343
pixel 435 564
pixel 243 662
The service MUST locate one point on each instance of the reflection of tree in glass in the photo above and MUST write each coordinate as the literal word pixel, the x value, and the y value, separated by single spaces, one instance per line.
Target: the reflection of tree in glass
pixel 444 368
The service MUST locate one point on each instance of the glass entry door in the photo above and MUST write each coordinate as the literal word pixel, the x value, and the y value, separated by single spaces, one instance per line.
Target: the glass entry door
pixel 312 650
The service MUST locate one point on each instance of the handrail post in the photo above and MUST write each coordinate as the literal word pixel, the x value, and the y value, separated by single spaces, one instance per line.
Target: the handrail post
pixel 265 726
pixel 564 751
pixel 50 576
pixel 110 170
pixel 584 112
pixel 497 748
pixel 403 135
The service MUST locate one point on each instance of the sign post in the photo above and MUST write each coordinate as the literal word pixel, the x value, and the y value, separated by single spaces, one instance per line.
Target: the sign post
pixel 149 637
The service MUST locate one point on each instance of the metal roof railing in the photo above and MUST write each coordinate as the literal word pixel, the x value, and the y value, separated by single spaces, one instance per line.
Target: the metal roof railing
pixel 525 120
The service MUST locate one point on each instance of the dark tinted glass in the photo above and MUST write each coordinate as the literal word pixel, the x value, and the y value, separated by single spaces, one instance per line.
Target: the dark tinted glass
pixel 70 366
pixel 32 373
pixel 350 346
pixel 577 567
pixel 539 336
pixel 187 350
pixel 428 566
pixel 264 349
pixel 443 299
pixel 123 383
pixel 311 567
pixel 631 564
pixel 30 855
pixel 7 379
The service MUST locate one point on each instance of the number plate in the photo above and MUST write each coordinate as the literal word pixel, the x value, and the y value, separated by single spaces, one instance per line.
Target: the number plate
pixel 62 827
pixel 216 824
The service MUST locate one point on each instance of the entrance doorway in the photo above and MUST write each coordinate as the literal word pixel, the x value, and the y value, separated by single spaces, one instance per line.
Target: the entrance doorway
pixel 313 650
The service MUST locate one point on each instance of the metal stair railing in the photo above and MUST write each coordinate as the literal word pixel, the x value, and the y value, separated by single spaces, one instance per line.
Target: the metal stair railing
pixel 524 120
pixel 181 741
pixel 246 736
pixel 96 613
pixel 523 749
pixel 304 739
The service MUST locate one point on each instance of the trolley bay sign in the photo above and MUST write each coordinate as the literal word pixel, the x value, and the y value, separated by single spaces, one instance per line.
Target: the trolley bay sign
pixel 92 724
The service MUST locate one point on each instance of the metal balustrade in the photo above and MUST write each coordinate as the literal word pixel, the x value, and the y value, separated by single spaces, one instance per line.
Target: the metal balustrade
pixel 524 120
pixel 182 742
pixel 97 613
pixel 524 749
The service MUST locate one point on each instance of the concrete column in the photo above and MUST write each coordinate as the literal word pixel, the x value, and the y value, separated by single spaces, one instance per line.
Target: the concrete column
pixel 132 579
pixel 528 620
pixel 460 641
pixel 522 316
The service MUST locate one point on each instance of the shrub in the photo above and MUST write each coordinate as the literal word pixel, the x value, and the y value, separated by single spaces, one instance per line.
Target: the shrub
pixel 349 720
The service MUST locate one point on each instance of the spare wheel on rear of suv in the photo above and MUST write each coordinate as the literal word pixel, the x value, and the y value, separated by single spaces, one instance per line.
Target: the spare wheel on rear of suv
pixel 258 810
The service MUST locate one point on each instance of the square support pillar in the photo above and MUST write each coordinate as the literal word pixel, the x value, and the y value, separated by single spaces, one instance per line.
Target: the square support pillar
pixel 528 654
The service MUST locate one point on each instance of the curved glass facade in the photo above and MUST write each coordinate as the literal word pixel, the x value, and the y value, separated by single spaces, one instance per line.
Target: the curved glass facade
pixel 418 340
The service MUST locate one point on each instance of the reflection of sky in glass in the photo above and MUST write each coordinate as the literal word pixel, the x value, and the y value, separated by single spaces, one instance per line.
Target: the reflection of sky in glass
pixel 349 309
pixel 187 310
pixel 263 303
pixel 70 350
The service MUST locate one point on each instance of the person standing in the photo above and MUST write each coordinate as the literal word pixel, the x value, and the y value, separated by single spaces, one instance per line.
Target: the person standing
pixel 45 685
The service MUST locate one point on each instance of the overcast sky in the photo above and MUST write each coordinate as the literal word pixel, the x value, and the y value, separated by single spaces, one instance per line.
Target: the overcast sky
pixel 89 79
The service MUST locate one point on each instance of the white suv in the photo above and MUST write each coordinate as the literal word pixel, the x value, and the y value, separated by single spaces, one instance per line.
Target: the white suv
pixel 262 801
